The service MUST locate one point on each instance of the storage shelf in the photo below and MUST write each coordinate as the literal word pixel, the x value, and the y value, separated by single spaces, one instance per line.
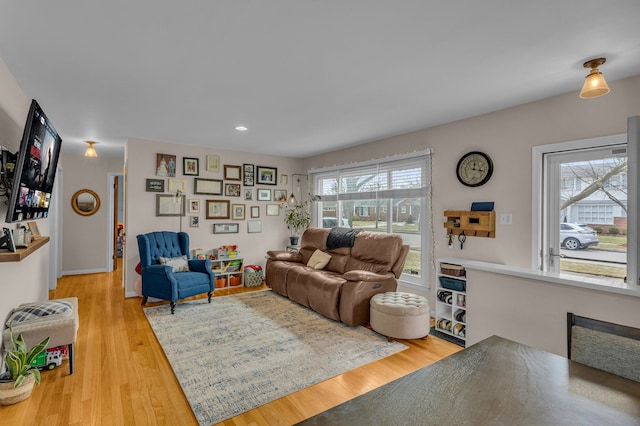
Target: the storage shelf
pixel 21 253
pixel 473 224
pixel 447 311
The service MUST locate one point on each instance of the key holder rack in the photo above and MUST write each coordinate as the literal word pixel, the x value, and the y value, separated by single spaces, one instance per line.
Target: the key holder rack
pixel 472 223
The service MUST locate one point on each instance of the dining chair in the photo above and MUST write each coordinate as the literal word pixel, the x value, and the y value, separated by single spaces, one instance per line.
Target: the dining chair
pixel 610 347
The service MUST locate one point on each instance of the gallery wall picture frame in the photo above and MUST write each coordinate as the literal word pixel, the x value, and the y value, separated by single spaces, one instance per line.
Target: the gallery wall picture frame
pixel 166 205
pixel 232 172
pixel 255 211
pixel 166 165
pixel 248 194
pixel 238 211
pixel 194 206
pixel 155 185
pixel 33 228
pixel 266 175
pixel 176 185
pixel 207 186
pixel 232 189
pixel 284 180
pixel 194 221
pixel 280 195
pixel 213 163
pixel 190 166
pixel 226 228
pixel 248 176
pixel 254 226
pixel 273 209
pixel 264 194
pixel 217 209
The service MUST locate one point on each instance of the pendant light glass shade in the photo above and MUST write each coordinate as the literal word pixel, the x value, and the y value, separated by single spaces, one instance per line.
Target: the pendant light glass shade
pixel 90 151
pixel 594 85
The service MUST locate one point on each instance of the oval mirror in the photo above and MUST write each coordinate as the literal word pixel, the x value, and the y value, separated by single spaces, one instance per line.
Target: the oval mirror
pixel 85 202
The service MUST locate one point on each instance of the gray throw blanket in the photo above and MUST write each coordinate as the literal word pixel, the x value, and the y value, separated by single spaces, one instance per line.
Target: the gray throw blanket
pixel 341 237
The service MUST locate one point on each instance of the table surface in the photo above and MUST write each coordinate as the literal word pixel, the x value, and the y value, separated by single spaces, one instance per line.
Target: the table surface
pixel 496 381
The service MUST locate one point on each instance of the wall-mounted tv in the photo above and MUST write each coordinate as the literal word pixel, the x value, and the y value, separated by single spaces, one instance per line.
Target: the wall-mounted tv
pixel 35 168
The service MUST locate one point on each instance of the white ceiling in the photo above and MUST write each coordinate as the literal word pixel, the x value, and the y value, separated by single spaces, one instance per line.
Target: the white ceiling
pixel 305 76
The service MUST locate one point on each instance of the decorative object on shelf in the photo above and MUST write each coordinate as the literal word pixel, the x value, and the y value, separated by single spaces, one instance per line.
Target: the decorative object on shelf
pixel 264 195
pixel 238 211
pixel 35 231
pixel 254 226
pixel 170 205
pixel 232 189
pixel 267 175
pixel 298 217
pixel 21 375
pixel 194 206
pixel 229 251
pixel 207 186
pixel 217 209
pixel 190 166
pixel 213 163
pixel 177 185
pixel 155 185
pixel 255 211
pixel 85 202
pixel 90 151
pixel 226 228
pixel 248 175
pixel 474 169
pixel 166 165
pixel 232 172
pixel 594 84
pixel 273 209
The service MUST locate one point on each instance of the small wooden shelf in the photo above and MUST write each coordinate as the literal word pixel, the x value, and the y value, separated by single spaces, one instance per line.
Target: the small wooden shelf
pixel 21 253
pixel 474 224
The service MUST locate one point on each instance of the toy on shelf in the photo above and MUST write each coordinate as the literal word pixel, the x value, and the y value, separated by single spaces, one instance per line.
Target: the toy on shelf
pixel 228 252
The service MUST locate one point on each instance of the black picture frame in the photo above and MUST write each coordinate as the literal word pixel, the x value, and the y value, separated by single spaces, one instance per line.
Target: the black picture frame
pixel 155 185
pixel 248 175
pixel 266 175
pixel 232 189
pixel 190 166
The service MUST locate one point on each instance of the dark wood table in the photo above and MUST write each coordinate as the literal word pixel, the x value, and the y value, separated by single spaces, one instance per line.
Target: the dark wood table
pixel 495 382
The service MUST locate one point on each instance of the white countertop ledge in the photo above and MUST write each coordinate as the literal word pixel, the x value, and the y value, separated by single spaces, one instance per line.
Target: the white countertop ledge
pixel 550 277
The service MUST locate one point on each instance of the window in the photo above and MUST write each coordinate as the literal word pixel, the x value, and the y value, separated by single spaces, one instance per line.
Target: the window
pixel 378 196
pixel 596 214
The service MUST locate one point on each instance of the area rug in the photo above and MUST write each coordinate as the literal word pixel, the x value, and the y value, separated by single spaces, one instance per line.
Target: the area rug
pixel 242 351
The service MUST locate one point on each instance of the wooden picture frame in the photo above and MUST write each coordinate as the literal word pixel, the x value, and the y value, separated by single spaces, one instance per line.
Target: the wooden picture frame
pixel 232 172
pixel 273 209
pixel 248 175
pixel 194 206
pixel 264 194
pixel 166 165
pixel 254 226
pixel 154 185
pixel 232 189
pixel 176 185
pixel 166 205
pixel 207 186
pixel 238 211
pixel 217 209
pixel 266 175
pixel 33 228
pixel 280 195
pixel 226 228
pixel 190 166
pixel 255 211
pixel 213 163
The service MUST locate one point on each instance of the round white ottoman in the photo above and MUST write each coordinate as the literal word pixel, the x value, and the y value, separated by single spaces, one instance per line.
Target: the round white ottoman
pixel 400 315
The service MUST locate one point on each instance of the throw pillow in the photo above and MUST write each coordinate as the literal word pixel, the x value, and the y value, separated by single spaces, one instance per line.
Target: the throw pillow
pixel 179 264
pixel 318 260
pixel 36 310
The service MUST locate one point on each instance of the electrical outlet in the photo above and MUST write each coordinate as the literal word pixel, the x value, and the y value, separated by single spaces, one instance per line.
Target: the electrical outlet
pixel 506 219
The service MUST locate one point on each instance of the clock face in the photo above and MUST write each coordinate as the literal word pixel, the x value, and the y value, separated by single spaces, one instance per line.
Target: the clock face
pixel 474 169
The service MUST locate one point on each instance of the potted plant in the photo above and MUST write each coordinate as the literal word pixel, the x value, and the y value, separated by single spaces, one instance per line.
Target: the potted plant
pixel 17 382
pixel 298 218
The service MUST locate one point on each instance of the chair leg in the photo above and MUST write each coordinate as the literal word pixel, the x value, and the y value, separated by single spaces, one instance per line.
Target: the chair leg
pixel 173 307
pixel 209 294
pixel 144 300
pixel 71 359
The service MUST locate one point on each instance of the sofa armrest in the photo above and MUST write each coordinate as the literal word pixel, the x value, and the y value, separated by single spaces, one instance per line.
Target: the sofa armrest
pixel 284 255
pixel 360 275
pixel 200 265
pixel 164 270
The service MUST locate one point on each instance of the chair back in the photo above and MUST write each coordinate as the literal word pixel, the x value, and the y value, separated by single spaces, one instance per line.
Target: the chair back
pixel 154 245
pixel 610 347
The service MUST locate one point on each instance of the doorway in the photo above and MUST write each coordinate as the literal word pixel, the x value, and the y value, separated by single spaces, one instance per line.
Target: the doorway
pixel 115 221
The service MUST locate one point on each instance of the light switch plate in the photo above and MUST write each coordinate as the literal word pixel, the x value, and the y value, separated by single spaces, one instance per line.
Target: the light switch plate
pixel 506 219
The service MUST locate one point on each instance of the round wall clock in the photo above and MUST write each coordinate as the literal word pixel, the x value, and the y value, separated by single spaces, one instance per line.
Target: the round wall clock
pixel 474 169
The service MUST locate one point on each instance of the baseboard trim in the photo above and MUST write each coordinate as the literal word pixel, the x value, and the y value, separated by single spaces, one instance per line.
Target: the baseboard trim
pixel 84 271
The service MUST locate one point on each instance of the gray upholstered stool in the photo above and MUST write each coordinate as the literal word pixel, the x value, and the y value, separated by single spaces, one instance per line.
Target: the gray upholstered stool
pixel 39 320
pixel 400 315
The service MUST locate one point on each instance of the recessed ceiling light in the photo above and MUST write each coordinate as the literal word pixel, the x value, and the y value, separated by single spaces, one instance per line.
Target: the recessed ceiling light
pixel 242 128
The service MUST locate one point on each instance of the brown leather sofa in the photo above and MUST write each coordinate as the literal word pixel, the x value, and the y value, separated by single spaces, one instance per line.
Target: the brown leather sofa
pixel 343 289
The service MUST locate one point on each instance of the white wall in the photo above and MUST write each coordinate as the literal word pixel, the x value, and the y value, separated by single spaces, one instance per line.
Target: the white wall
pixel 141 205
pixel 508 137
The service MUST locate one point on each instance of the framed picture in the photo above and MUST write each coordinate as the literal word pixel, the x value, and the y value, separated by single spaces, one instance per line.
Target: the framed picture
pixel 248 194
pixel 207 186
pixel 284 180
pixel 232 189
pixel 166 205
pixel 155 185
pixel 264 195
pixel 166 165
pixel 194 221
pixel 267 175
pixel 232 172
pixel 255 211
pixel 176 185
pixel 225 228
pixel 238 211
pixel 33 227
pixel 248 178
pixel 273 209
pixel 194 206
pixel 213 163
pixel 190 166
pixel 217 209
pixel 254 226
pixel 280 195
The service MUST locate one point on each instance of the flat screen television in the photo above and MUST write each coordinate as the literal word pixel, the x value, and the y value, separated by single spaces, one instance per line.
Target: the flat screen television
pixel 35 168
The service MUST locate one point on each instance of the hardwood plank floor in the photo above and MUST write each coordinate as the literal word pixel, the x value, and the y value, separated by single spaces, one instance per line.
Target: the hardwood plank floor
pixel 122 376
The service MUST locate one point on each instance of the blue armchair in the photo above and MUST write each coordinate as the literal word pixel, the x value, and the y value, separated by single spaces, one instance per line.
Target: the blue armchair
pixel 159 280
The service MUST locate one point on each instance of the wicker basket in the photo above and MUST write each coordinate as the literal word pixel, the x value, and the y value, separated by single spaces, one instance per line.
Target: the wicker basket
pixel 453 270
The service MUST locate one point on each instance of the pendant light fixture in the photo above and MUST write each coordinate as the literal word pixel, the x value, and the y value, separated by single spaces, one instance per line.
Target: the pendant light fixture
pixel 90 151
pixel 594 84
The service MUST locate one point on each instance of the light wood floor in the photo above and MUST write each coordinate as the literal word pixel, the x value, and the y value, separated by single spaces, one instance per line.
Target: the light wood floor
pixel 122 376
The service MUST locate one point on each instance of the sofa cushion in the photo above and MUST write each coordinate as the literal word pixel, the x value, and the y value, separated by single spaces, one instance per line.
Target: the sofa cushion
pixel 319 260
pixel 375 252
pixel 32 311
pixel 179 264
